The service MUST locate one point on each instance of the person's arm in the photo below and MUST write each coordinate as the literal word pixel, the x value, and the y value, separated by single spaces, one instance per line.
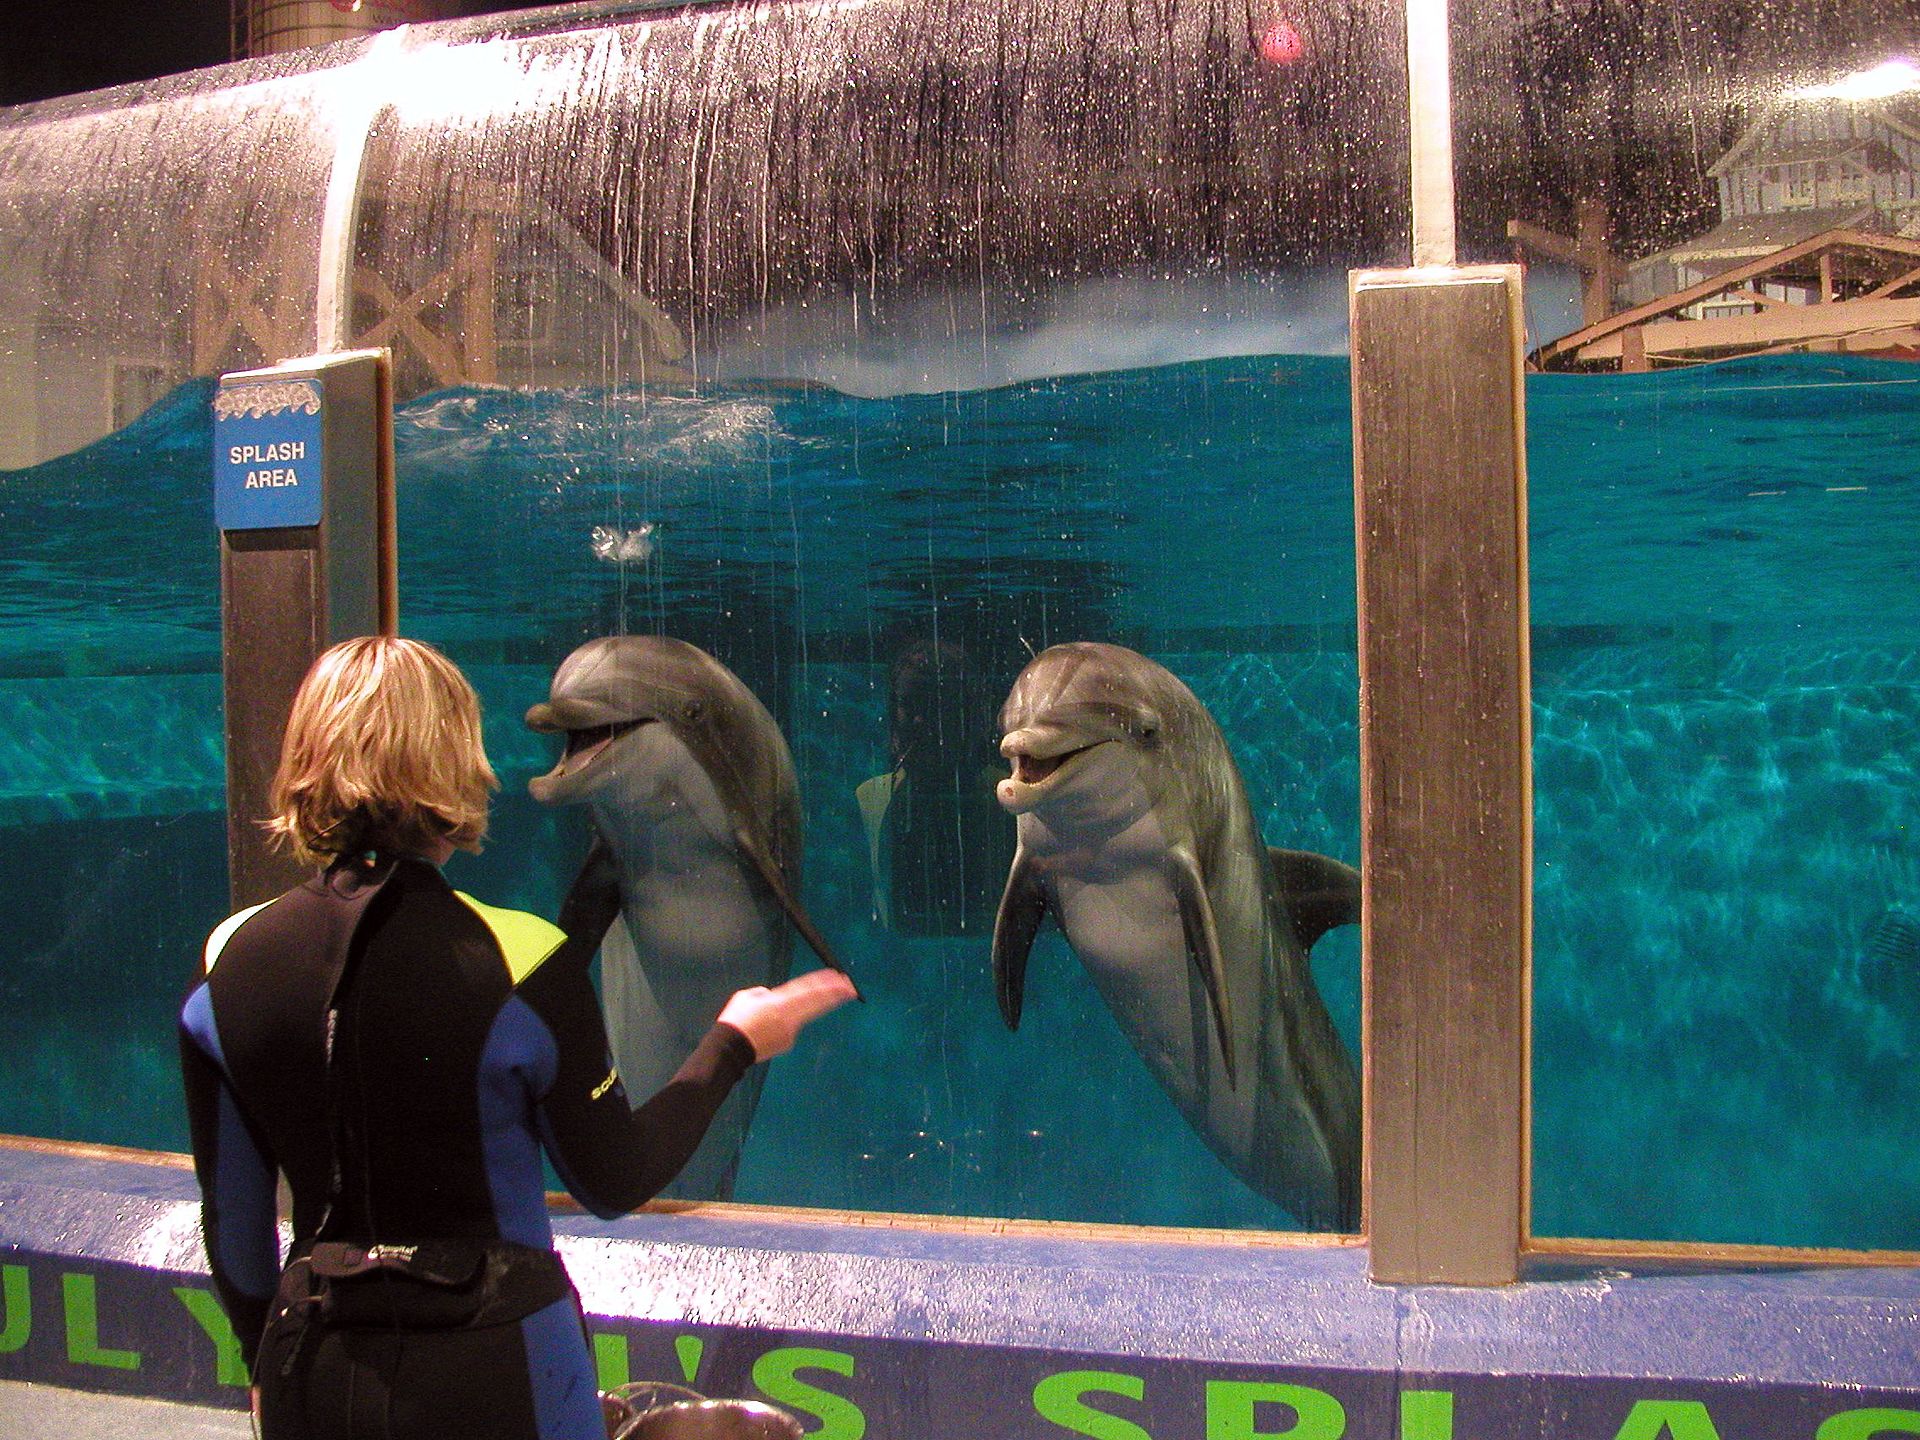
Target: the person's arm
pixel 237 1182
pixel 611 1157
pixel 614 1158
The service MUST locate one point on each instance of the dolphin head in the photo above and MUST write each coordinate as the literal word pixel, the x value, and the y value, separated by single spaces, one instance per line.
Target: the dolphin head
pixel 656 726
pixel 1078 718
pixel 606 698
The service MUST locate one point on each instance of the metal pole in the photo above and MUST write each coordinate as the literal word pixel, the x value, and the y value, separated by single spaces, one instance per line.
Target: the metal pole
pixel 1430 109
pixel 303 497
pixel 1445 769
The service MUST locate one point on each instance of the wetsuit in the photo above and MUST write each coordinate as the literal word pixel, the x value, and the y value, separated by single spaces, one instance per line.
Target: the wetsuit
pixel 464 1040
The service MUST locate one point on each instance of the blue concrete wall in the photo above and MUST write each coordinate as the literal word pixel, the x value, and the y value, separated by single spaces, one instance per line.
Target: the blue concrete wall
pixel 902 1333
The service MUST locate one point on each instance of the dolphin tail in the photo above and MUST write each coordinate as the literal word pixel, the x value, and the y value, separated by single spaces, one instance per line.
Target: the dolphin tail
pixel 776 881
pixel 1318 891
pixel 1023 904
pixel 1203 949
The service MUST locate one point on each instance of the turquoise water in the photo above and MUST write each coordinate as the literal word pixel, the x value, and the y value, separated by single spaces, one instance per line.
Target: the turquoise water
pixel 1727 942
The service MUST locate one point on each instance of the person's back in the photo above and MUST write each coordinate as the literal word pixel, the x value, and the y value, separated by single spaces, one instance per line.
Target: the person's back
pixel 438 1062
pixel 403 1054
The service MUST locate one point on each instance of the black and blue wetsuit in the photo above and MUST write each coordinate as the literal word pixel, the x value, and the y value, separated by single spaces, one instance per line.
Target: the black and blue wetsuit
pixel 465 1040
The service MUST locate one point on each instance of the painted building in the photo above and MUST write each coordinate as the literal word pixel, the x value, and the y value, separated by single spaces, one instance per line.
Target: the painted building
pixel 1806 167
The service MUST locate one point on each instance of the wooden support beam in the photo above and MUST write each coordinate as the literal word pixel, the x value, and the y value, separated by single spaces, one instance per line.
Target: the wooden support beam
pixel 1597 265
pixel 1757 297
pixel 1446 772
pixel 402 320
pixel 226 304
pixel 1544 242
pixel 473 354
pixel 1782 327
pixel 1589 252
pixel 482 346
pixel 1899 282
pixel 1633 350
pixel 1582 341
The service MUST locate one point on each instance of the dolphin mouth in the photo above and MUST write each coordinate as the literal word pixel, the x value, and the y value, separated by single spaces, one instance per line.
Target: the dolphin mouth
pixel 1033 769
pixel 585 745
pixel 1031 772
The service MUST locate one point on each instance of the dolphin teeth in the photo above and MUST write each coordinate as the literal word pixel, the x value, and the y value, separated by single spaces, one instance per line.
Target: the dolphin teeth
pixel 1032 769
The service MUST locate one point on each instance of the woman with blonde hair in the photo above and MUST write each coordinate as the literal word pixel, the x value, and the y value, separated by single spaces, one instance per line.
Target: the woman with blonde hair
pixel 404 1053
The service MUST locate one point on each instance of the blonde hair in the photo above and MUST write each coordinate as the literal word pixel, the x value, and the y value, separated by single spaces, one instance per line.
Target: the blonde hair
pixel 382 750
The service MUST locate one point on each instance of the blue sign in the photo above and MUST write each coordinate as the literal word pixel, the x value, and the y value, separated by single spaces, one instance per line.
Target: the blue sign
pixel 266 452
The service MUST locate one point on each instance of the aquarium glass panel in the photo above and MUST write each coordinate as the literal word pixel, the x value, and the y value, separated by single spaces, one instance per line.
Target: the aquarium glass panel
pixel 873 350
pixel 1717 206
pixel 149 238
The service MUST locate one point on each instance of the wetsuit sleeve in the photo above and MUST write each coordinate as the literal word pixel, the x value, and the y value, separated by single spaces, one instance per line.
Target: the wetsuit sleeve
pixel 612 1157
pixel 237 1181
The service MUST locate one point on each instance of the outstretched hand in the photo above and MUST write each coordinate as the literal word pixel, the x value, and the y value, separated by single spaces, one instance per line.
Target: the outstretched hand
pixel 772 1019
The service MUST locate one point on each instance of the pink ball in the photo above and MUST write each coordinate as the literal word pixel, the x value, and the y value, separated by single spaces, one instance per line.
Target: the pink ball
pixel 1281 44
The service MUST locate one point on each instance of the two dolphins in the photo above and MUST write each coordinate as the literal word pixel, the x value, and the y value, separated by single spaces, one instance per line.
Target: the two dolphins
pixel 1135 832
pixel 691 785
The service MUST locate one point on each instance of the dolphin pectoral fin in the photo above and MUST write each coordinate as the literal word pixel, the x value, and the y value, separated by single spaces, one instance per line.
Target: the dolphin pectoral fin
pixel 1203 949
pixel 770 875
pixel 1319 891
pixel 1023 904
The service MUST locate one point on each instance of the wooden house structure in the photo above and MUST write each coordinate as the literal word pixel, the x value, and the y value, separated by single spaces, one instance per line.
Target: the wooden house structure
pixel 516 296
pixel 1816 249
pixel 1865 296
pixel 520 298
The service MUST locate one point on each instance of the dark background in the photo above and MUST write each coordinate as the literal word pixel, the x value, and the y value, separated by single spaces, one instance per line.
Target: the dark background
pixel 61 47
pixel 58 47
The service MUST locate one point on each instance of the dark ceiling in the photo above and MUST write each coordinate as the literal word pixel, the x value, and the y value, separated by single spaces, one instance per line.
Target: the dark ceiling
pixel 63 47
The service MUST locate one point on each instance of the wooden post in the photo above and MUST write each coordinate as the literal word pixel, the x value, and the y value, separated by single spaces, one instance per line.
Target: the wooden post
pixel 1446 799
pixel 1633 350
pixel 1597 265
pixel 303 498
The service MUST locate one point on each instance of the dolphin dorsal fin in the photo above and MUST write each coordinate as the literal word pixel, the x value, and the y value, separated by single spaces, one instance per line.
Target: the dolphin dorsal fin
pixel 1319 892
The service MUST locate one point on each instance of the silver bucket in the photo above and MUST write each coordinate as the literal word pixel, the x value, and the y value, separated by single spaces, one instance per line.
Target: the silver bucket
pixel 651 1410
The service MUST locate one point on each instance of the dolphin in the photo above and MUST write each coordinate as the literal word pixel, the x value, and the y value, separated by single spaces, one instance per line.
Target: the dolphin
pixel 1135 832
pixel 691 785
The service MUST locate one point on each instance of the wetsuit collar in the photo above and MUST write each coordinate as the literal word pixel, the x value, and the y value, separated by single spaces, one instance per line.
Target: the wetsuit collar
pixel 350 875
